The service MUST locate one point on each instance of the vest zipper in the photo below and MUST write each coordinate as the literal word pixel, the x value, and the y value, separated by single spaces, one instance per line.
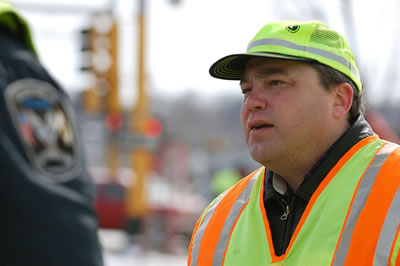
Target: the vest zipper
pixel 285 215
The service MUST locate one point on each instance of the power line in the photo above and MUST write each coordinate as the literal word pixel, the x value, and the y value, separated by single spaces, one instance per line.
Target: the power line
pixel 56 9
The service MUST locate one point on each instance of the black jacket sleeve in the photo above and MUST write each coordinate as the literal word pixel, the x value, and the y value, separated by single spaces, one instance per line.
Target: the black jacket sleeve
pixel 46 198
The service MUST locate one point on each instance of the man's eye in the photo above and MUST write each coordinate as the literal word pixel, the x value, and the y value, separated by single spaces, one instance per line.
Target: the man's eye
pixel 276 82
pixel 246 90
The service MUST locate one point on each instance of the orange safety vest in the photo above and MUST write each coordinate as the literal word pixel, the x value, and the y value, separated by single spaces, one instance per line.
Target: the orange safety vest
pixel 353 218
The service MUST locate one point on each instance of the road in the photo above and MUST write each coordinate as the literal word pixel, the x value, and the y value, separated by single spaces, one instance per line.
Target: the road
pixel 144 259
pixel 118 250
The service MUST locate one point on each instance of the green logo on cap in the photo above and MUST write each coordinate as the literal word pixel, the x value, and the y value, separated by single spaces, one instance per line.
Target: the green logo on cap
pixel 293 28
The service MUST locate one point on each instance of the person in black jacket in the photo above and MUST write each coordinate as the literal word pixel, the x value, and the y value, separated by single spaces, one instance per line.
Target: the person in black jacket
pixel 47 210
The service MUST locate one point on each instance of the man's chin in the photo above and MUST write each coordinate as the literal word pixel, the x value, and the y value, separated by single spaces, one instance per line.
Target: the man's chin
pixel 261 157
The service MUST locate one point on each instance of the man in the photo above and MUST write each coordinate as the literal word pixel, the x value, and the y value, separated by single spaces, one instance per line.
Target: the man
pixel 47 214
pixel 329 191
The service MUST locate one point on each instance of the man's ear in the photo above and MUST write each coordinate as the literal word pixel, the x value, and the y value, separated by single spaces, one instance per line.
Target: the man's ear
pixel 343 100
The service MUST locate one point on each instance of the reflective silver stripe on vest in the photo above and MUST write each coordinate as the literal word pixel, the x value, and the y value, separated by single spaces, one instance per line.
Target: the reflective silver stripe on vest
pixel 308 49
pixel 199 234
pixel 388 232
pixel 230 220
pixel 362 193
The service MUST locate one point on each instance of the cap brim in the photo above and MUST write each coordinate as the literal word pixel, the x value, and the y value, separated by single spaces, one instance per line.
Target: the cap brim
pixel 232 67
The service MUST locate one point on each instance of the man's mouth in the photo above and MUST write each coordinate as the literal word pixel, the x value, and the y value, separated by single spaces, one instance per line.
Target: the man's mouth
pixel 260 126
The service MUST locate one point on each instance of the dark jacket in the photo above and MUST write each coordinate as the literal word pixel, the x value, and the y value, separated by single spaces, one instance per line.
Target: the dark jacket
pixel 47 210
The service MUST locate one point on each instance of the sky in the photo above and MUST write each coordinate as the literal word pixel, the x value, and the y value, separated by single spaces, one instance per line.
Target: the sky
pixel 184 39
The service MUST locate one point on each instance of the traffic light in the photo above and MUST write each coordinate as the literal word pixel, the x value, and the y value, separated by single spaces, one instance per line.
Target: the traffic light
pixel 153 128
pixel 85 39
pixel 99 47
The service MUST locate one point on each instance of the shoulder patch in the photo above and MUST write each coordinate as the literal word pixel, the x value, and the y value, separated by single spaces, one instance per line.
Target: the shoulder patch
pixel 42 118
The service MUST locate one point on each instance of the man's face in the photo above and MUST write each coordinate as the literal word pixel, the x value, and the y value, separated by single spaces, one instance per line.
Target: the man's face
pixel 286 112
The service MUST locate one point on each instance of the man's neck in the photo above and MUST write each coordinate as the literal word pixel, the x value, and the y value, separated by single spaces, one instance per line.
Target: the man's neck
pixel 294 180
pixel 294 168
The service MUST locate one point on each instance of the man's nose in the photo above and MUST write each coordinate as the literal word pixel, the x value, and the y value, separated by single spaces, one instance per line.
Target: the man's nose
pixel 255 101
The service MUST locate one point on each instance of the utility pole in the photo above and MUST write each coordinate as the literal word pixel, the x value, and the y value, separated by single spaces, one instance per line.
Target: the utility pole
pixel 136 200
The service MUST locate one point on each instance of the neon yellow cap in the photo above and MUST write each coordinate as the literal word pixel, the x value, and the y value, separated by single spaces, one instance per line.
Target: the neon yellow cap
pixel 16 24
pixel 294 40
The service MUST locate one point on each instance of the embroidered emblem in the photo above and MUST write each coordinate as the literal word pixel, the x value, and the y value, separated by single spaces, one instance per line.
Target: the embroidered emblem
pixel 293 28
pixel 42 118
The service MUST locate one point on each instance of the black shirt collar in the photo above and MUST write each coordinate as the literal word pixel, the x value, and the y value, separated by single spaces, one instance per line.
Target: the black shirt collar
pixel 359 130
